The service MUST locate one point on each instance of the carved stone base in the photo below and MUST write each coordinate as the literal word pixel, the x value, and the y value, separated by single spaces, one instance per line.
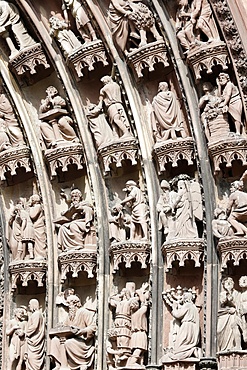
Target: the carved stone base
pixel 172 151
pixel 228 150
pixel 87 55
pixel 181 365
pixel 182 250
pixel 76 261
pixel 63 155
pixel 230 360
pixel 206 56
pixel 12 159
pixel 232 249
pixel 27 60
pixel 147 56
pixel 27 270
pixel 117 152
pixel 130 251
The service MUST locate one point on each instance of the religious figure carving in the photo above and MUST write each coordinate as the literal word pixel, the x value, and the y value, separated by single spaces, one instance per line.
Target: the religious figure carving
pixel 65 37
pixel 72 343
pixel 26 231
pixel 186 328
pixel 75 223
pixel 10 132
pixel 139 213
pixel 243 306
pixel 229 321
pixel 35 338
pixel 220 225
pixel 130 21
pixel 59 128
pixel 117 223
pixel 130 332
pixel 167 120
pixel 18 39
pixel 180 207
pixel 237 208
pixel 110 98
pixel 16 330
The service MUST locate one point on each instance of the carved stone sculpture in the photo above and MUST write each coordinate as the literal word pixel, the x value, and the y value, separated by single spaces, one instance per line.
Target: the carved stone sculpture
pixel 83 23
pixel 117 224
pixel 26 232
pixel 16 331
pixel 130 332
pixel 75 223
pixel 139 214
pixel 229 320
pixel 220 225
pixel 164 207
pixel 35 337
pixel 237 208
pixel 10 19
pixel 243 306
pixel 167 119
pixel 72 343
pixel 186 328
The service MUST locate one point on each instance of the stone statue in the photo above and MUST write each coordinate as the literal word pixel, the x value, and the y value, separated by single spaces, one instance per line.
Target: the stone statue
pixel 131 21
pixel 117 224
pixel 237 208
pixel 101 130
pixel 230 100
pixel 229 320
pixel 164 208
pixel 83 23
pixel 36 213
pixel 139 213
pixel 243 306
pixel 18 39
pixel 65 37
pixel 16 330
pixel 130 307
pixel 77 350
pixel 10 132
pixel 75 222
pixel 59 126
pixel 186 327
pixel 220 226
pixel 183 206
pixel 184 26
pixel 110 98
pixel 35 338
pixel 167 120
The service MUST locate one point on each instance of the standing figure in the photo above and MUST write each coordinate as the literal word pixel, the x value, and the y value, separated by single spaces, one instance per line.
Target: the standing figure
pixel 110 95
pixel 35 338
pixel 135 200
pixel 16 331
pixel 167 119
pixel 237 208
pixel 184 26
pixel 83 23
pixel 79 349
pixel 164 208
pixel 243 306
pixel 229 322
pixel 230 100
pixel 36 213
pixel 10 18
pixel 117 226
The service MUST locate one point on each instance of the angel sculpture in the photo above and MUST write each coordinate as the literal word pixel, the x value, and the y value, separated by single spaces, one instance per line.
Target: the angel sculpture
pixel 186 208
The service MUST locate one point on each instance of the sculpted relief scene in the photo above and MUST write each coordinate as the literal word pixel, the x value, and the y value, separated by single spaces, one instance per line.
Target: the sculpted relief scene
pixel 123 185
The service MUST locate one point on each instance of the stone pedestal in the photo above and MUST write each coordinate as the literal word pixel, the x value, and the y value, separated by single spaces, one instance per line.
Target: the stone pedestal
pixel 27 270
pixel 14 158
pixel 75 261
pixel 86 56
pixel 181 365
pixel 232 360
pixel 171 151
pixel 128 252
pixel 206 56
pixel 147 56
pixel 181 250
pixel 232 249
pixel 208 363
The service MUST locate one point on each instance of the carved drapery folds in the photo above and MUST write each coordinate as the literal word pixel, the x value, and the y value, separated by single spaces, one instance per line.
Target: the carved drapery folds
pixel 179 207
pixel 58 134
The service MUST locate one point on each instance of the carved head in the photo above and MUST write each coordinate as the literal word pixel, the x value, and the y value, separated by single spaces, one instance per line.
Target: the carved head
pixel 20 313
pixel 125 293
pixel 187 297
pixel 33 305
pixel 106 79
pixel 207 86
pixel 243 282
pixel 163 86
pixel 228 283
pixel 165 185
pixel 35 199
pixel 51 91
pixel 236 185
pixel 219 213
pixel 76 195
pixel 129 185
pixel 74 301
pixel 223 78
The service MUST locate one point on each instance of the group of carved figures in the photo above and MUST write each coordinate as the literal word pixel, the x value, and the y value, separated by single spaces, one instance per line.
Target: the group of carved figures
pixel 27 338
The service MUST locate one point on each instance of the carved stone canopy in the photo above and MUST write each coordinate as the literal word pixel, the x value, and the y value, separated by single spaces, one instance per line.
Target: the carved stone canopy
pixel 183 250
pixel 232 360
pixel 147 57
pixel 208 56
pixel 128 252
pixel 14 158
pixel 228 150
pixel 232 249
pixel 26 271
pixel 76 261
pixel 171 151
pixel 86 56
